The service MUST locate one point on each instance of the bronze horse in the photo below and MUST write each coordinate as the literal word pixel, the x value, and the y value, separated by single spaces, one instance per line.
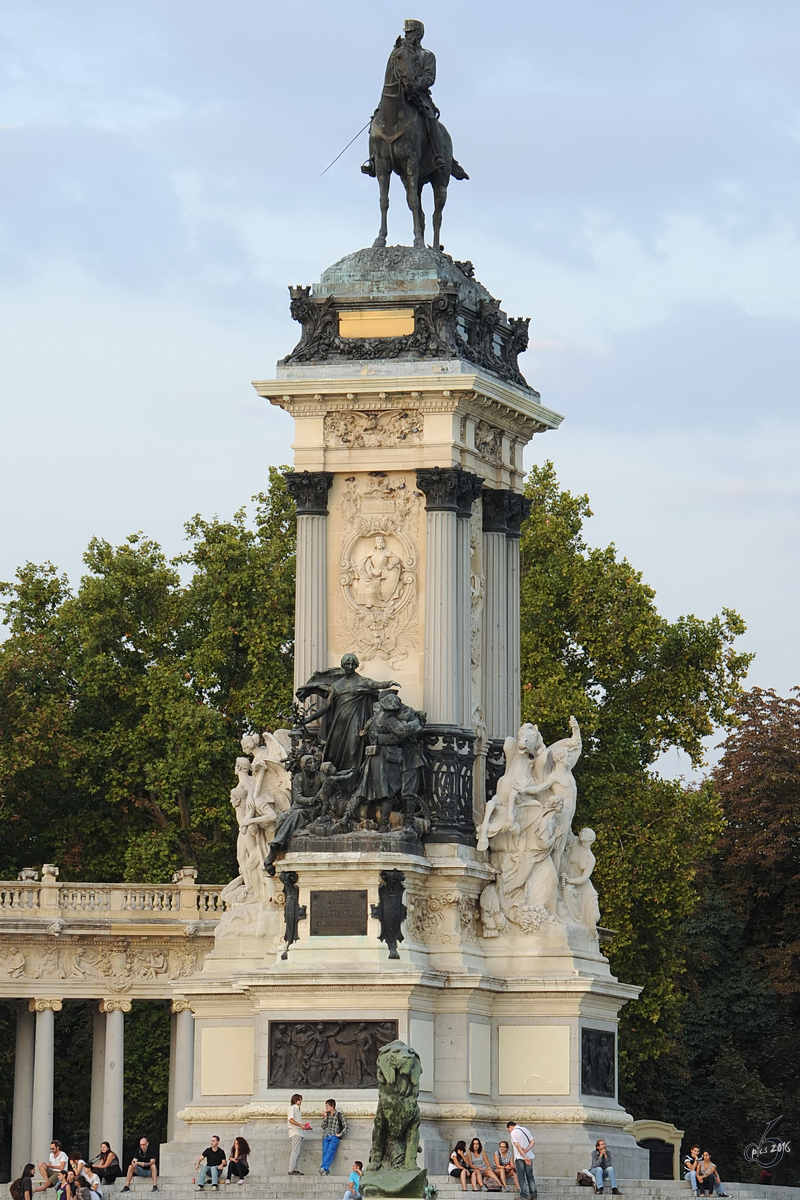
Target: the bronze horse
pixel 398 143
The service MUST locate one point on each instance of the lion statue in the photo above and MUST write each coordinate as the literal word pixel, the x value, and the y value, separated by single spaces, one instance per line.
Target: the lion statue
pixel 395 1135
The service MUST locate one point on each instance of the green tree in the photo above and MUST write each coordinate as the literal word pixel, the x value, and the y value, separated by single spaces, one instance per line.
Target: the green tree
pixel 121 706
pixel 594 645
pixel 758 778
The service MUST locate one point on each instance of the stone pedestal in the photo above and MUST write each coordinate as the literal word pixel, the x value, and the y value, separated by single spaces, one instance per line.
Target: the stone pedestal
pixel 411 415
pixel 500 1024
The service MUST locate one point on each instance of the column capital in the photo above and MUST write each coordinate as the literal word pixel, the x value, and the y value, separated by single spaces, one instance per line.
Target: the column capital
pixel 115 1004
pixel 519 509
pixel 448 489
pixel 309 490
pixel 44 1004
pixel 181 1004
pixel 469 487
pixel 495 510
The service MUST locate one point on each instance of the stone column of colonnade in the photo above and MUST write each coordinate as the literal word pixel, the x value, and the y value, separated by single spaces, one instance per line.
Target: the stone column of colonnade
pixel 181 1063
pixel 43 1064
pixel 96 1135
pixel 309 490
pixel 23 1090
pixel 114 1008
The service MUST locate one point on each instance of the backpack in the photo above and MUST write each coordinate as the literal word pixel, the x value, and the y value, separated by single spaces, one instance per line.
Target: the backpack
pixel 15 1189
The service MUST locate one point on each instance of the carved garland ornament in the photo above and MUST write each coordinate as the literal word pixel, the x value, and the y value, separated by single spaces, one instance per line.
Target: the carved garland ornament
pixel 378 567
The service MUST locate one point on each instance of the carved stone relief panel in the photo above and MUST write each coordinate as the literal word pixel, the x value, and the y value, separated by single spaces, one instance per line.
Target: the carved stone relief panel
pixel 307 1054
pixel 357 429
pixel 379 566
pixel 489 442
pixel 116 963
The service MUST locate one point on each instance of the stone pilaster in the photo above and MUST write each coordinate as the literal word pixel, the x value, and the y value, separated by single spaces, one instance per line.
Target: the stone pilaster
pixel 114 1008
pixel 519 508
pixel 495 613
pixel 309 490
pixel 469 489
pixel 43 1063
pixel 23 1090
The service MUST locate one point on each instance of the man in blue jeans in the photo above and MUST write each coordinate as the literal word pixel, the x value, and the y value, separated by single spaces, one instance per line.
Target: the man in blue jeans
pixel 334 1126
pixel 522 1145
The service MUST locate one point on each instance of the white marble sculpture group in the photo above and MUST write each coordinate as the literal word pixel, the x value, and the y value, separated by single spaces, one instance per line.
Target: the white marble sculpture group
pixel 263 791
pixel 543 870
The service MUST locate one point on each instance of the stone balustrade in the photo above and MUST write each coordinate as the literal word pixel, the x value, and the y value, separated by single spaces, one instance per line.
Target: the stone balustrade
pixel 109 944
pixel 36 899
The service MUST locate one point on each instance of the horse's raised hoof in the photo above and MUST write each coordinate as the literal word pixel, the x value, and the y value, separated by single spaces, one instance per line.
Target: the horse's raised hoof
pixel 379 243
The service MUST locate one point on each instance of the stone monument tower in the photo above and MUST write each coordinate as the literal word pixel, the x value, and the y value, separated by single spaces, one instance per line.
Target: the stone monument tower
pixel 408 867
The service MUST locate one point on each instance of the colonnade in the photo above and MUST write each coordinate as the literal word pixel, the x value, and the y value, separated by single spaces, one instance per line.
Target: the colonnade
pixel 34 1064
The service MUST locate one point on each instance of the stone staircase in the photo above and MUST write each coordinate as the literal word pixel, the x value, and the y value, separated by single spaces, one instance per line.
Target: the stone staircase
pixel 312 1186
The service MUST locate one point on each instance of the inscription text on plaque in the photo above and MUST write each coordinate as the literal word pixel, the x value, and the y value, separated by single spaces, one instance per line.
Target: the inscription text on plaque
pixel 338 913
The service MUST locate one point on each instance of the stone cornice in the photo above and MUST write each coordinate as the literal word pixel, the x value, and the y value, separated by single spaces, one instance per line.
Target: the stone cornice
pixel 429 393
pixel 430 1110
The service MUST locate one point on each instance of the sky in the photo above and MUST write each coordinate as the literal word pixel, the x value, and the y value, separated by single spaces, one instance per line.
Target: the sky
pixel 635 190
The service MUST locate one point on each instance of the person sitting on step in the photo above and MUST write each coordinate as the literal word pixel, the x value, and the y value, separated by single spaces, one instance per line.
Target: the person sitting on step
pixel 602 1169
pixel 215 1158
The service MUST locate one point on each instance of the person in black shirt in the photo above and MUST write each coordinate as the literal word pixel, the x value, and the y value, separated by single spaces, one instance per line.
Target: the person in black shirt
pixel 143 1163
pixel 215 1158
pixel 26 1181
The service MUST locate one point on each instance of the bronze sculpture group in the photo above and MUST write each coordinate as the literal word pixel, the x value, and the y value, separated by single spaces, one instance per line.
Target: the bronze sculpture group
pixel 358 761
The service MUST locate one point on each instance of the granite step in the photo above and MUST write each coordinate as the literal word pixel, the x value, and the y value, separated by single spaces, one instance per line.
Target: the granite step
pixel 318 1187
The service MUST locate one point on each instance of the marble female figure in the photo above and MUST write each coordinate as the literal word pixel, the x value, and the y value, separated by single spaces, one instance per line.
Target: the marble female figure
pixel 577 890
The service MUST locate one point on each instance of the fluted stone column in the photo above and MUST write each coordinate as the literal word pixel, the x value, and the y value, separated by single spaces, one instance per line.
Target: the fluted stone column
pixel 448 744
pixel 43 1062
pixel 23 1090
pixel 441 688
pixel 469 489
pixel 309 490
pixel 182 1057
pixel 495 614
pixel 96 1135
pixel 114 1008
pixel 518 509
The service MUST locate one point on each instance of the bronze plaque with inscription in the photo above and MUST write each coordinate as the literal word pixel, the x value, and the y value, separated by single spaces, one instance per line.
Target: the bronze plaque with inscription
pixel 338 913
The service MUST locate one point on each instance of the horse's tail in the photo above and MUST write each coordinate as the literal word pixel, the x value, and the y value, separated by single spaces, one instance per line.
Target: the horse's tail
pixel 457 171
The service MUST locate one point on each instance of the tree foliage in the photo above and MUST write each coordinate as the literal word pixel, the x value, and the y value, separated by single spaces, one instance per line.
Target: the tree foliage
pixel 594 645
pixel 758 778
pixel 121 704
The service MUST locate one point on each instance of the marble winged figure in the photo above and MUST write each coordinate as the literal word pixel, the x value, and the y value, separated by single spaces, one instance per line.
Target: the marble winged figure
pixel 543 871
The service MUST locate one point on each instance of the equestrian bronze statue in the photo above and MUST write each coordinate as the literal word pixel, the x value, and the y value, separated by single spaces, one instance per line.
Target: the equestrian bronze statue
pixel 406 136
